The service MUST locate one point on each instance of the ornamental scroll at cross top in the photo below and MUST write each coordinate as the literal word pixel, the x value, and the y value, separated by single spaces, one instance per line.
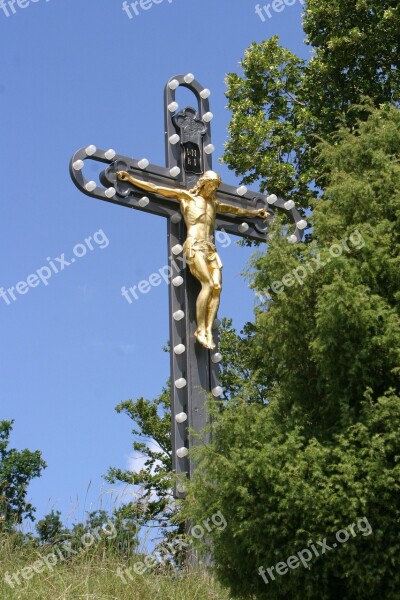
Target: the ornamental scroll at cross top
pixel 195 203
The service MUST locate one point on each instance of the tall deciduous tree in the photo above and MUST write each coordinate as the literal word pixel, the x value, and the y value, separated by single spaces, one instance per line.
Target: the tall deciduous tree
pixel 17 469
pixel 282 106
pixel 357 55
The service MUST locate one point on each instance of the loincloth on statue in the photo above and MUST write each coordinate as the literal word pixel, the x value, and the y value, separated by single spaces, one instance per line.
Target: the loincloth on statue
pixel 207 249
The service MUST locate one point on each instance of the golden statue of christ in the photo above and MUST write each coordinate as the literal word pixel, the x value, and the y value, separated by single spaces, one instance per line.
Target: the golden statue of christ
pixel 199 207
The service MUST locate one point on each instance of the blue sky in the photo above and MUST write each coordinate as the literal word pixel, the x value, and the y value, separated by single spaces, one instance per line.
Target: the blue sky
pixel 75 73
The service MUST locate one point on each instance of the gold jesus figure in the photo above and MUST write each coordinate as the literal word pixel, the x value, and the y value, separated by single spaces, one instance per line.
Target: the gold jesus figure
pixel 199 207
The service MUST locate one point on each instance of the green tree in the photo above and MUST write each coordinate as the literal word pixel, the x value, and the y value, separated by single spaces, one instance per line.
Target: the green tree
pixel 282 105
pixel 356 55
pixel 271 124
pixel 101 532
pixel 322 451
pixel 50 529
pixel 151 486
pixel 17 469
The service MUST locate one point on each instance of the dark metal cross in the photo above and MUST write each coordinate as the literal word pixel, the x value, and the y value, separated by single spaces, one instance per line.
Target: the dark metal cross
pixel 194 369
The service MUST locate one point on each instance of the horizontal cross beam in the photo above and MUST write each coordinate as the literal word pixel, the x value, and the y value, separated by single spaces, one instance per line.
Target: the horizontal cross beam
pixel 118 192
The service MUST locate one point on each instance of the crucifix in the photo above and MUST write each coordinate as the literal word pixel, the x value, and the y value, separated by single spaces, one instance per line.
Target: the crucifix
pixel 191 196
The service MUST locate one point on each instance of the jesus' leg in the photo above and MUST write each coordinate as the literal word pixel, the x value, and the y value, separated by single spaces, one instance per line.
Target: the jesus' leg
pixel 199 269
pixel 213 304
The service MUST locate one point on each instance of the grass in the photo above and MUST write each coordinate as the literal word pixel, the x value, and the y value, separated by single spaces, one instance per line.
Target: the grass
pixel 92 575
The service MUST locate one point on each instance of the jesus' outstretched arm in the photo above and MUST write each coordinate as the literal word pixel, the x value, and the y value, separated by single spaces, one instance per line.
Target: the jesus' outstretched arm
pixel 175 193
pixel 241 212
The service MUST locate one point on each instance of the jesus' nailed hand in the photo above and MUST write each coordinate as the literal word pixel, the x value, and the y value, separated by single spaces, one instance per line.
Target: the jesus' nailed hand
pixel 199 207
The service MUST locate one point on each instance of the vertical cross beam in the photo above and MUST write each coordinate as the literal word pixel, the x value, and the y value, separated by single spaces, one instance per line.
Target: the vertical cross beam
pixel 194 369
pixel 191 155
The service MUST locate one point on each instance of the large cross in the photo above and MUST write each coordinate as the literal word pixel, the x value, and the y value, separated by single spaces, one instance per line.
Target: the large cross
pixel 194 368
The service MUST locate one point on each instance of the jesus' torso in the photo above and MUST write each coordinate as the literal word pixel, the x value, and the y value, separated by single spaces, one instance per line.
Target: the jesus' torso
pixel 199 215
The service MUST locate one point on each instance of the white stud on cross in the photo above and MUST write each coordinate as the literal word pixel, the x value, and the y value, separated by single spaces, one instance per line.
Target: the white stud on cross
pixel 174 139
pixel 110 154
pixel 182 452
pixel 110 192
pixel 173 84
pixel 177 281
pixel 143 163
pixel 174 172
pixel 90 150
pixel 177 249
pixel 180 383
pixel 178 315
pixel 144 201
pixel 301 224
pixel 78 165
pixel 205 93
pixel 217 391
pixel 181 417
pixel 173 106
pixel 289 205
pixel 179 349
pixel 216 358
pixel 176 218
pixel 90 186
pixel 242 190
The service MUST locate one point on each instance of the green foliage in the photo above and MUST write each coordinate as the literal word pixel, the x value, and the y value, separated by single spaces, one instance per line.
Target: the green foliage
pixel 356 45
pixel 50 529
pixel 322 449
pixel 17 469
pixel 281 491
pixel 237 371
pixel 114 533
pixel 271 123
pixel 282 106
pixel 153 504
